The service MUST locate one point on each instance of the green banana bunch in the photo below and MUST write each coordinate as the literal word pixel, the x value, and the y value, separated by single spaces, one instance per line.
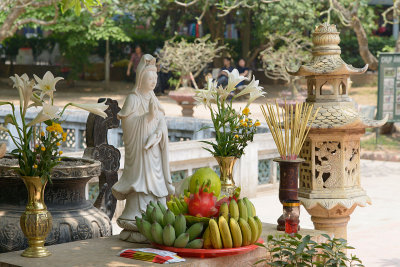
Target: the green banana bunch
pixel 177 205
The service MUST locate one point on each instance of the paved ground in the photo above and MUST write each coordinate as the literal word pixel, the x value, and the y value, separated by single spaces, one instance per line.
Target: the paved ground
pixel 373 230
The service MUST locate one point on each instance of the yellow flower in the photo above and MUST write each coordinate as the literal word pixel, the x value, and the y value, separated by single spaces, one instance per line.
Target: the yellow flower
pixel 50 128
pixel 34 166
pixel 245 124
pixel 41 134
pixel 241 121
pixel 36 146
pixel 59 159
pixel 58 144
pixel 246 120
pixel 249 124
pixel 64 136
pixel 60 152
pixel 236 136
pixel 43 148
pixel 58 128
pixel 257 123
pixel 246 111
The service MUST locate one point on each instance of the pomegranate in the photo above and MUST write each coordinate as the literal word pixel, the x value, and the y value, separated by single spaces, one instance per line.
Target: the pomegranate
pixel 202 202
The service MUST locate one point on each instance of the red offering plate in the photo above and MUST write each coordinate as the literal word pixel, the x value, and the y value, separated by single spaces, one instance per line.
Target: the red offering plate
pixel 209 253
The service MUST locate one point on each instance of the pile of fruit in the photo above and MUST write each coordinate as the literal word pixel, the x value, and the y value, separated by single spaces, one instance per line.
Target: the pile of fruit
pixel 197 219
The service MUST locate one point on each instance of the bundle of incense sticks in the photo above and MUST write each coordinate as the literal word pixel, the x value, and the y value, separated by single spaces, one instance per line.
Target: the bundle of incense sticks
pixel 289 133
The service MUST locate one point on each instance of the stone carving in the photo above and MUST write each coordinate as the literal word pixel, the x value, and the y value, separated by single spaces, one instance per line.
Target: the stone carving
pixel 109 156
pixel 74 218
pixel 146 175
pixel 327 160
pixel 352 166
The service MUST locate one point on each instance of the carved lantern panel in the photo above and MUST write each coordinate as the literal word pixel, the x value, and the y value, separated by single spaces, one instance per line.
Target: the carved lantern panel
pixel 332 165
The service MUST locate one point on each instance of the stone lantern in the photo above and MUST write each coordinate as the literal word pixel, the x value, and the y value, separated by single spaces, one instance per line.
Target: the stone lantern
pixel 329 186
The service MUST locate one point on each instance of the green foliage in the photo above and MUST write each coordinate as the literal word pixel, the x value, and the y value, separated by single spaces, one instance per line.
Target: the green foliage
pixel 297 250
pixel 233 130
pixel 76 5
pixel 376 44
pixel 288 16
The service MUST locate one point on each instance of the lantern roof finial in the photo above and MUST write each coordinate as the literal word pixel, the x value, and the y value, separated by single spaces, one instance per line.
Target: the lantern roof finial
pixel 326 58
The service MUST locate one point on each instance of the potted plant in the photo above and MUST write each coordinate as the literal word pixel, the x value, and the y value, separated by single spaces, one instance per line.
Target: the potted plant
pixel 187 60
pixel 38 150
pixel 233 129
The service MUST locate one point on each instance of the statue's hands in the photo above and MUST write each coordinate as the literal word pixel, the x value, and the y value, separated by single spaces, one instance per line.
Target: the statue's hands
pixel 152 111
pixel 152 140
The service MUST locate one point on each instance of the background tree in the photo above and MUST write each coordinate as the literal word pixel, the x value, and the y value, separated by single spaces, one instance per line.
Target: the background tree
pixel 285 52
pixel 188 59
pixel 215 13
pixel 16 13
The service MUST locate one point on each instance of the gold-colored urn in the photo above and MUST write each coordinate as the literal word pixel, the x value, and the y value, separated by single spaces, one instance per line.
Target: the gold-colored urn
pixel 226 168
pixel 36 221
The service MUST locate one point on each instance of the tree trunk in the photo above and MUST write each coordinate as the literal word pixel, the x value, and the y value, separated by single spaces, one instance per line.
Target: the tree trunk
pixel 398 44
pixel 245 33
pixel 6 30
pixel 107 64
pixel 216 26
pixel 362 39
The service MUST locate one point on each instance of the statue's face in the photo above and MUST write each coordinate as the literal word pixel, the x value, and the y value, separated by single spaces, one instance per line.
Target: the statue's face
pixel 149 81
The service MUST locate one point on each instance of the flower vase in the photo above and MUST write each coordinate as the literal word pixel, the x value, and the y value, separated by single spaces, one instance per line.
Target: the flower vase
pixel 288 183
pixel 36 221
pixel 226 169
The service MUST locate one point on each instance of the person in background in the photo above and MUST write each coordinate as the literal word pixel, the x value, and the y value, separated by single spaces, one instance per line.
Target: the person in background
pixel 134 61
pixel 243 70
pixel 223 76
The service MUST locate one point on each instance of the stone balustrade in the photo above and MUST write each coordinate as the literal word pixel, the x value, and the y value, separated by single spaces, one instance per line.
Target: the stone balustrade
pixel 254 171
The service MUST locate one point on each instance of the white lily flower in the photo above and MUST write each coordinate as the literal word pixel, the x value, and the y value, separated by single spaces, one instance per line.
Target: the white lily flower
pixel 97 108
pixel 207 96
pixel 23 86
pixel 234 79
pixel 47 85
pixel 223 93
pixel 253 96
pixel 48 112
pixel 36 101
pixel 251 87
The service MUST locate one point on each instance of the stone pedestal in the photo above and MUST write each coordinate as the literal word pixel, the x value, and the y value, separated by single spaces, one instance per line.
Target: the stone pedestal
pixel 331 219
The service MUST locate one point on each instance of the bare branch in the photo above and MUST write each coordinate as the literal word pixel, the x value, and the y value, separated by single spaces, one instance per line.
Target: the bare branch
pixel 269 1
pixel 205 7
pixel 10 25
pixel 37 21
pixel 230 8
pixel 186 4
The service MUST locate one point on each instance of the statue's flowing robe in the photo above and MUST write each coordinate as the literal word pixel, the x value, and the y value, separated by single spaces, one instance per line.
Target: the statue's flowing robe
pixel 146 172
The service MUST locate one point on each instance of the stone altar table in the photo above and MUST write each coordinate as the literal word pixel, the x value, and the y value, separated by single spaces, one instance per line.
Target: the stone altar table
pixel 103 252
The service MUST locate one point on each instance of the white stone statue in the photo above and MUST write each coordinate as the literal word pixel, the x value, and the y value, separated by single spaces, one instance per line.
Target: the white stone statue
pixel 146 174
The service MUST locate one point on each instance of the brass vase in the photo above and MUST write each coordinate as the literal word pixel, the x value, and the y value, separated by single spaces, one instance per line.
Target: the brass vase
pixel 36 221
pixel 226 169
